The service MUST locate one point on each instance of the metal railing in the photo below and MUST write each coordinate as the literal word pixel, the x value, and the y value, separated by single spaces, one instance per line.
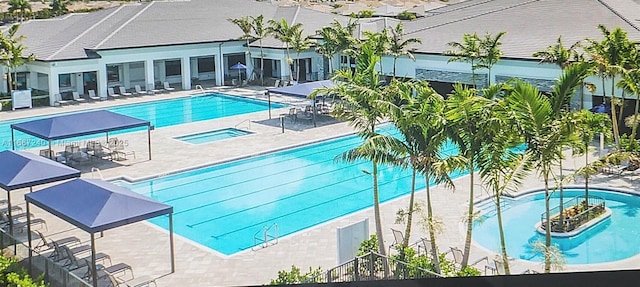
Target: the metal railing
pixel 575 212
pixel 247 121
pixel 372 266
pixel 267 236
pixel 54 274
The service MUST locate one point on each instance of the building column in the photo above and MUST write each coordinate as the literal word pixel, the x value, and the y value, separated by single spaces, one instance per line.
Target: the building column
pixel 126 75
pixel 249 63
pixel 185 70
pixel 219 67
pixel 148 74
pixel 79 82
pixel 101 75
pixel 54 87
pixel 284 69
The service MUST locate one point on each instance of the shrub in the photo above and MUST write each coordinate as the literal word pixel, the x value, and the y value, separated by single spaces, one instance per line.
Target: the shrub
pixel 369 245
pixel 295 276
pixel 406 15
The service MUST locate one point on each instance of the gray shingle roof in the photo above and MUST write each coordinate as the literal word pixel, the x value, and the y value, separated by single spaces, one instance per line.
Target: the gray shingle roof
pixel 531 25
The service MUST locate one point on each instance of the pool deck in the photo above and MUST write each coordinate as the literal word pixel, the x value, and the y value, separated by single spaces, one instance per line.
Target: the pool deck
pixel 145 247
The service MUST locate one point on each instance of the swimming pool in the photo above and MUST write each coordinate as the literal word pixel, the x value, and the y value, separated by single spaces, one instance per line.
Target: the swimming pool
pixel 223 206
pixel 160 113
pixel 612 239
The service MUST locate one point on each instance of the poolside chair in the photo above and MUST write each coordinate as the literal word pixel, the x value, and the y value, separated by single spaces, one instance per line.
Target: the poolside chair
pixel 304 116
pixel 59 101
pixel 22 225
pixel 167 87
pixel 124 92
pixel 134 282
pixel 61 255
pixel 426 246
pixel 139 90
pixel 104 271
pixel 457 258
pixel 152 89
pixel 92 95
pixel 496 267
pixel 277 83
pixel 77 98
pixel 49 244
pixel 112 94
pixel 118 149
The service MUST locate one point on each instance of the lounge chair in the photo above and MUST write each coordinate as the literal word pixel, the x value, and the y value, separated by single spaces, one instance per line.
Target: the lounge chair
pixel 104 271
pixel 496 267
pixel 59 101
pixel 124 92
pixel 134 282
pixel 92 95
pixel 457 258
pixel 22 225
pixel 112 94
pixel 426 245
pixel 49 244
pixel 71 262
pixel 77 98
pixel 118 149
pixel 304 116
pixel 277 83
pixel 152 89
pixel 398 240
pixel 167 87
pixel 139 90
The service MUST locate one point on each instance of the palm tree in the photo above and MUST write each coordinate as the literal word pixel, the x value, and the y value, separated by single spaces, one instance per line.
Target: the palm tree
pixel 556 54
pixel 398 46
pixel 588 124
pixel 12 53
pixel 380 41
pixel 299 43
pixel 22 6
pixel 467 51
pixel 245 24
pixel 490 52
pixel 361 105
pixel 282 31
pixel 630 83
pixel 464 110
pixel 260 32
pixel 335 39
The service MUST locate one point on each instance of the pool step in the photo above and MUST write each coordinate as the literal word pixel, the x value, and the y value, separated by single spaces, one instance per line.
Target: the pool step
pixel 488 208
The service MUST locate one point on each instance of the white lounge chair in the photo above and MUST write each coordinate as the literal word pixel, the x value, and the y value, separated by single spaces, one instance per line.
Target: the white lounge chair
pixel 59 101
pixel 77 98
pixel 167 87
pixel 124 92
pixel 277 83
pixel 139 90
pixel 457 258
pixel 112 94
pixel 152 89
pixel 92 95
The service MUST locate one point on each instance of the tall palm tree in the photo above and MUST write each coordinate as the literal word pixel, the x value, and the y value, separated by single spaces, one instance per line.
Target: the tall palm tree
pixel 464 110
pixel 282 31
pixel 12 53
pixel 299 43
pixel 467 51
pixel 398 46
pixel 260 32
pixel 336 38
pixel 245 24
pixel 362 106
pixel 381 43
pixel 23 7
pixel 556 54
pixel 490 52
pixel 630 83
pixel 589 124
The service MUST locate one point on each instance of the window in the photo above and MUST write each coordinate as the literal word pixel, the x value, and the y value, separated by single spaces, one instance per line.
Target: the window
pixel 64 80
pixel 113 73
pixel 172 68
pixel 206 65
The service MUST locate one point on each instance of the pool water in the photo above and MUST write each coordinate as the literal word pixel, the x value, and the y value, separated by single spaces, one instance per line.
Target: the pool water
pixel 224 206
pixel 612 239
pixel 211 136
pixel 160 113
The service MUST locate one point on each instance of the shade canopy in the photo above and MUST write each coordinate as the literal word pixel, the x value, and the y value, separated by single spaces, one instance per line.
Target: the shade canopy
pixel 80 124
pixel 20 169
pixel 302 90
pixel 238 66
pixel 96 205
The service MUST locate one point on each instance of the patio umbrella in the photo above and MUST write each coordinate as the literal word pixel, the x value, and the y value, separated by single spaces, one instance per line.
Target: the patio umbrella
pixel 239 66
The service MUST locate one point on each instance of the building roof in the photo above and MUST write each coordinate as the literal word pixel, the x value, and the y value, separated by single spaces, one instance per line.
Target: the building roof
pixel 531 25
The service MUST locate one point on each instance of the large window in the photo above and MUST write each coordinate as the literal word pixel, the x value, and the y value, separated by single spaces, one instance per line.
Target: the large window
pixel 64 80
pixel 172 68
pixel 206 65
pixel 113 73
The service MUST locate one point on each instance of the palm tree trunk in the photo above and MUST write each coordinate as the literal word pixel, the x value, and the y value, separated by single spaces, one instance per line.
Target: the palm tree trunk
pixel 620 120
pixel 634 127
pixel 289 64
pixel 394 66
pixel 586 176
pixel 10 78
pixel 467 242
pixel 298 67
pixel 547 222
pixel 614 118
pixel 407 230
pixel 376 210
pixel 561 197
pixel 432 232
pixel 503 246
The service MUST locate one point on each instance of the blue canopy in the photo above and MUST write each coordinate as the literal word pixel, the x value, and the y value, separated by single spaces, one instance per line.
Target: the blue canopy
pixel 80 124
pixel 96 205
pixel 302 90
pixel 20 169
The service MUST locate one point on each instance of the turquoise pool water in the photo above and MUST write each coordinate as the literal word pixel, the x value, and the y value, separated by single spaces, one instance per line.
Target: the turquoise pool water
pixel 223 206
pixel 613 239
pixel 160 113
pixel 211 136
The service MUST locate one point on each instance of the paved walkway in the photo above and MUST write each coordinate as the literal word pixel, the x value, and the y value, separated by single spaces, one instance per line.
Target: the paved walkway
pixel 145 246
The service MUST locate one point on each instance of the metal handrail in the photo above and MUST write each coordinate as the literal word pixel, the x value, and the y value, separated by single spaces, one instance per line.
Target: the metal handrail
pixel 266 238
pixel 95 169
pixel 200 88
pixel 248 121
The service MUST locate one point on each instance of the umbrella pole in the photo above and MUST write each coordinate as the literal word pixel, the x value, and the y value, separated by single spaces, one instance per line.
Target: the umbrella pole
pixel 29 237
pixel 94 272
pixel 13 141
pixel 173 259
pixel 269 101
pixel 149 140
pixel 9 212
pixel 50 153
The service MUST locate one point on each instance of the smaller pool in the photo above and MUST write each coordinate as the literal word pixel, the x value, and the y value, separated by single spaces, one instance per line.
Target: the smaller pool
pixel 211 136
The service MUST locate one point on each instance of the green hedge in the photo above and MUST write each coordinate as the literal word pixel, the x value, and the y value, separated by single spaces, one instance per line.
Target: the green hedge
pixel 12 275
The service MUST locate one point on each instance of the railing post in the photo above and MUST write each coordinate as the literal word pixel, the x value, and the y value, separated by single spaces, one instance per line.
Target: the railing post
pixel 356 269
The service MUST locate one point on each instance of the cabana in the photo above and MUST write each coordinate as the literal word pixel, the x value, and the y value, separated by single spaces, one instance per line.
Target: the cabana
pixel 80 124
pixel 19 169
pixel 95 206
pixel 300 90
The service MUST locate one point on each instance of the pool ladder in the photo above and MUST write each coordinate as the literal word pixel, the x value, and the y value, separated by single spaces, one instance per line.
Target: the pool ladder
pixel 95 170
pixel 200 89
pixel 266 237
